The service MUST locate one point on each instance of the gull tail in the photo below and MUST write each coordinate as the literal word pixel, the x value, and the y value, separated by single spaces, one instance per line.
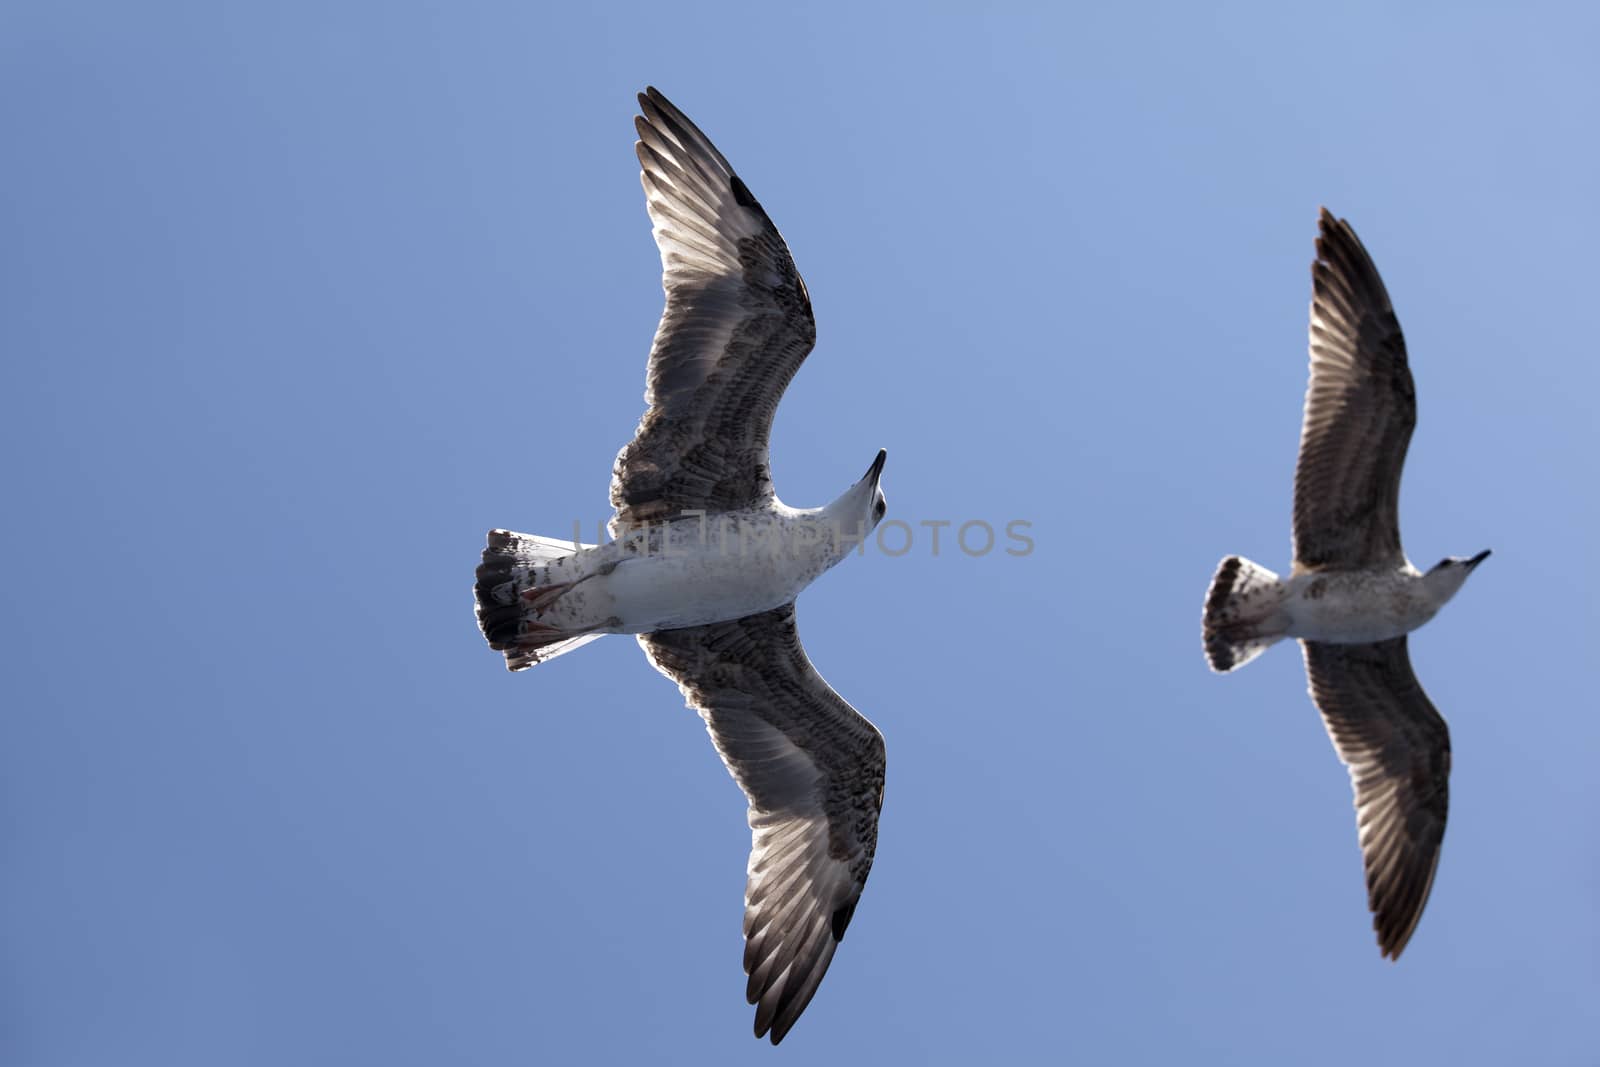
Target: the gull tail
pixel 1243 616
pixel 513 591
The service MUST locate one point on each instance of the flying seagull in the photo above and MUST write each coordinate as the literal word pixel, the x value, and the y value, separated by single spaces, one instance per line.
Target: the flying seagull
pixel 1352 596
pixel 706 562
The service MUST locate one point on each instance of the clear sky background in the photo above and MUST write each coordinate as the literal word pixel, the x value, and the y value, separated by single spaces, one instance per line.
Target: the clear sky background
pixel 300 299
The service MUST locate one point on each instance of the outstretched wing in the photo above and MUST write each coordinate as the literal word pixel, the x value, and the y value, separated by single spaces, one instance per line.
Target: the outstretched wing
pixel 737 326
pixel 1398 750
pixel 812 768
pixel 1361 407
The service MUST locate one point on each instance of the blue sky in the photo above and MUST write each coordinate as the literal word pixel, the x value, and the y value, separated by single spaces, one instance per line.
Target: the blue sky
pixel 299 300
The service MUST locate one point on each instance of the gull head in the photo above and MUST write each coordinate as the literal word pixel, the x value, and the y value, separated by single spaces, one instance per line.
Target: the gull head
pixel 1450 574
pixel 862 506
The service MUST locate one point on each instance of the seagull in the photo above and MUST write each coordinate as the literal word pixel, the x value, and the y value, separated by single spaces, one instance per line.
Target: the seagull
pixel 705 563
pixel 1352 596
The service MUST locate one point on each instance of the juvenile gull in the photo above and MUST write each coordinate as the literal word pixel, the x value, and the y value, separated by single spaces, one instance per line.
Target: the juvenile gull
pixel 706 562
pixel 1352 596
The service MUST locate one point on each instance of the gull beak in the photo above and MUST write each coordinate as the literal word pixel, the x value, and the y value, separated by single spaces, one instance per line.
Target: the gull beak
pixel 875 471
pixel 1475 560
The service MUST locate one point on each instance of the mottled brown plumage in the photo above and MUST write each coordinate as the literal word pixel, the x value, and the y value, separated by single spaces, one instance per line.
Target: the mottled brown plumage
pixel 1397 747
pixel 812 768
pixel 1361 407
pixel 736 327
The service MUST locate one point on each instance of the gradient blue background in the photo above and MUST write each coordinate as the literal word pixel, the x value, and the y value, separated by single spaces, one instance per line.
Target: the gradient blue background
pixel 299 300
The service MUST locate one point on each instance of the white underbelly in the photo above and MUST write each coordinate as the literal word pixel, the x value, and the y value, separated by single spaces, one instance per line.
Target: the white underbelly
pixel 1326 608
pixel 661 593
pixel 1341 629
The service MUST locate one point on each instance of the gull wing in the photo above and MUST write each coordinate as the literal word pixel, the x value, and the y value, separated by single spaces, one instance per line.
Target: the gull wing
pixel 1397 748
pixel 736 327
pixel 812 769
pixel 1361 407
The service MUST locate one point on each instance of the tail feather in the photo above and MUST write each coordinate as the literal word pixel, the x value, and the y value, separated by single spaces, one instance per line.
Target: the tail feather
pixel 1243 616
pixel 513 563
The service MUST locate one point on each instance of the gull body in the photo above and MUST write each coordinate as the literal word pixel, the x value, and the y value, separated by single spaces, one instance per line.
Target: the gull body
pixel 705 563
pixel 702 569
pixel 1352 596
pixel 1373 604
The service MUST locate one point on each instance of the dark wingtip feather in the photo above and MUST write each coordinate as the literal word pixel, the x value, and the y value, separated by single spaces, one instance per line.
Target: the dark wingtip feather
pixel 1342 256
pixel 743 196
pixel 841 918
